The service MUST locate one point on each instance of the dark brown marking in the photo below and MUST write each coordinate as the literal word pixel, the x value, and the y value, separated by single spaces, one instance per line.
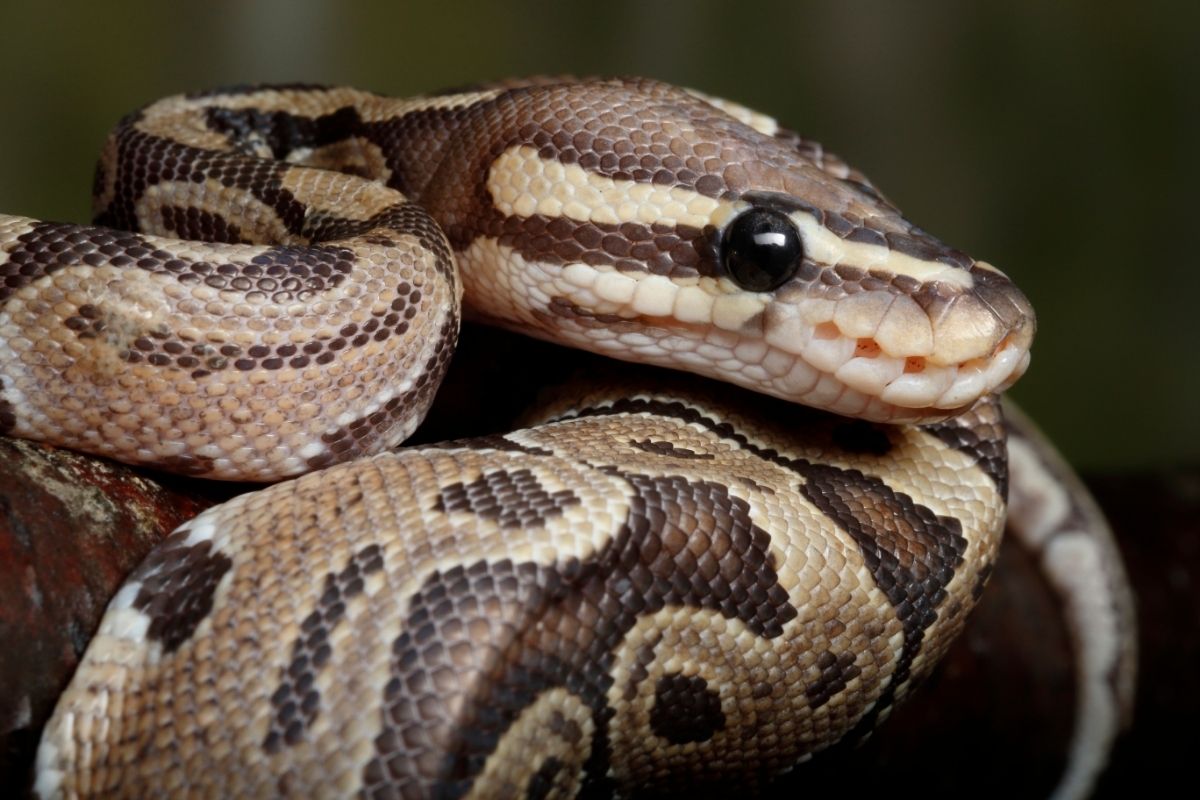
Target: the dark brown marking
pixel 237 89
pixel 512 499
pixel 8 415
pixel 567 729
pixel 836 672
pixel 684 543
pixel 405 218
pixel 670 450
pixel 911 552
pixel 685 709
pixel 676 251
pixel 981 580
pixel 280 132
pixel 187 464
pixel 178 582
pixel 545 779
pixel 280 272
pixel 297 701
pixel 144 160
pixel 204 226
pixel 361 436
pixel 562 307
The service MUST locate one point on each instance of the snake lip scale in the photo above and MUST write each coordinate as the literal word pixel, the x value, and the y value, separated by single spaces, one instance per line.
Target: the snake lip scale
pixel 657 585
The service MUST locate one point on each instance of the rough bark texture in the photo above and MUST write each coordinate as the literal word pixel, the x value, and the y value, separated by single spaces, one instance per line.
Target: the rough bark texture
pixel 71 528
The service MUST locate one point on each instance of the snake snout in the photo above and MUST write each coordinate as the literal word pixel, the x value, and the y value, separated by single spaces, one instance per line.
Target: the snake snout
pixel 979 343
pixel 895 355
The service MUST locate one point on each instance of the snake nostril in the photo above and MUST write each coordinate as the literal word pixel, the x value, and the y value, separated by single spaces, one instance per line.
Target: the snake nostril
pixel 867 348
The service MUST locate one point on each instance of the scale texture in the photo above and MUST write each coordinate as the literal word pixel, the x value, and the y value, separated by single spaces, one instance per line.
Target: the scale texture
pixel 676 588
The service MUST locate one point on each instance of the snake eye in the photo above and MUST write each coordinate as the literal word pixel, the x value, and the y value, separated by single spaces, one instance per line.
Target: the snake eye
pixel 761 249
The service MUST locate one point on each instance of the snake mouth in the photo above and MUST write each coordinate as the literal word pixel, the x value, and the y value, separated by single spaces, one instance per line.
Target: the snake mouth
pixel 890 360
pixel 855 377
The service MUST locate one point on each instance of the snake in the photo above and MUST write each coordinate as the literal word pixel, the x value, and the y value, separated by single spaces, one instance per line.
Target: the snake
pixel 663 582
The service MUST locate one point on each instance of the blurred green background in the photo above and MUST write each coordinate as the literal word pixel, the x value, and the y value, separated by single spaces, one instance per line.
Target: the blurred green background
pixel 1057 140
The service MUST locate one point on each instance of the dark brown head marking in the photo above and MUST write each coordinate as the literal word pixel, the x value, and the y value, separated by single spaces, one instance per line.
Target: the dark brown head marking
pixel 685 709
pixel 280 132
pixel 178 582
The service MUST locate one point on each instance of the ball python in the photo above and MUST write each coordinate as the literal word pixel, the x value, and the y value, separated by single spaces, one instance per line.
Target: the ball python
pixel 660 584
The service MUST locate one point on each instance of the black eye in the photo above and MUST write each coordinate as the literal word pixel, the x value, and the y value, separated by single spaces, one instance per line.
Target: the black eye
pixel 761 249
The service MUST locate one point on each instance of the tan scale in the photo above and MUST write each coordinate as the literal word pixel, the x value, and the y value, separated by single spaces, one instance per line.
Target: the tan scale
pixel 647 590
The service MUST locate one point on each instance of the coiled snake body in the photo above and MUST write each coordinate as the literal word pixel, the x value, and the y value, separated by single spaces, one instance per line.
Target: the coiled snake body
pixel 654 587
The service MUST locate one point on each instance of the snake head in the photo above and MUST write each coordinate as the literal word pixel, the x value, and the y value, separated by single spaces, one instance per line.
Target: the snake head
pixel 663 226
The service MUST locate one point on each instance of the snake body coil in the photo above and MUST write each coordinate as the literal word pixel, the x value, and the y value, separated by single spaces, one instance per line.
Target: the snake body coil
pixel 648 590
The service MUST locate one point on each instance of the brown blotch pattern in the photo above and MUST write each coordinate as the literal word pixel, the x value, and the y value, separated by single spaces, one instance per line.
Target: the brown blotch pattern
pixel 143 160
pixel 513 499
pixel 297 701
pixel 685 709
pixel 276 134
pixel 912 553
pixel 668 449
pixel 836 671
pixel 684 543
pixel 981 580
pixel 188 222
pixel 283 273
pixel 178 582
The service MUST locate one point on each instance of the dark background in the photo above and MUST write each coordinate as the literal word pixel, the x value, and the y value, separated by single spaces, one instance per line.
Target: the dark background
pixel 1056 140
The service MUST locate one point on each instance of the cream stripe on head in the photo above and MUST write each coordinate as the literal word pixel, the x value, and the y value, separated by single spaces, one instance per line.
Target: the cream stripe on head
pixel 827 249
pixel 522 183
